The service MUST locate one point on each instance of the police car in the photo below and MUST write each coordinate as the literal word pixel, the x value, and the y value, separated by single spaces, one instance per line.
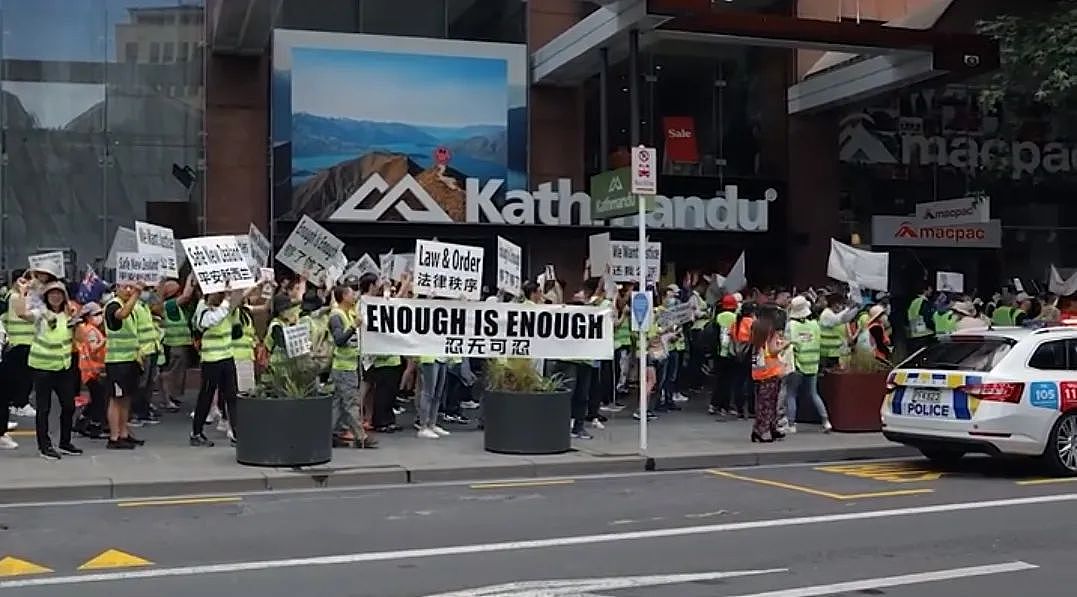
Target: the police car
pixel 1003 392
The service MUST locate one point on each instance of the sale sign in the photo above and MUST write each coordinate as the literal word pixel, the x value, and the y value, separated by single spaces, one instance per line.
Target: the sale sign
pixel 681 146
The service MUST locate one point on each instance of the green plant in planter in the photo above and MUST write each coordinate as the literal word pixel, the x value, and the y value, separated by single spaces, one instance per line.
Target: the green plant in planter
pixel 290 378
pixel 520 375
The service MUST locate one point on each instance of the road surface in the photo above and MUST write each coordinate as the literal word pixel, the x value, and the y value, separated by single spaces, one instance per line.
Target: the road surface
pixel 897 528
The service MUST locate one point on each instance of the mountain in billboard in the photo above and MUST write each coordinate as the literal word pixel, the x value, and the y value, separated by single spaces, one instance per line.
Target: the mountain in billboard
pixel 317 135
pixel 321 194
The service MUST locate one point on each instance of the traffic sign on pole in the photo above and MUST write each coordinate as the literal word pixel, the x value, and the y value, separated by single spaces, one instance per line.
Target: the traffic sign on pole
pixel 644 171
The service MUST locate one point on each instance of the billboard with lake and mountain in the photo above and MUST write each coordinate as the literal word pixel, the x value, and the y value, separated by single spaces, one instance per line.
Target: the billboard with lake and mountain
pixel 387 128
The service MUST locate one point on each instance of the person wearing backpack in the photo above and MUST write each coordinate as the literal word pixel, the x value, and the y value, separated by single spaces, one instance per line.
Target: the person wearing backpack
pixel 766 373
pixel 725 365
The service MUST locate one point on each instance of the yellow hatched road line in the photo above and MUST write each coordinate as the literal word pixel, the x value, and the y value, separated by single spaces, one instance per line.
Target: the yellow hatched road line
pixel 535 483
pixel 820 492
pixel 890 472
pixel 1047 481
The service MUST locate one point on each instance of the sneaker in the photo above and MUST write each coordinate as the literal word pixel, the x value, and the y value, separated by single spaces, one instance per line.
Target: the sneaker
pixel 135 423
pixel 27 411
pixel 50 453
pixel 416 426
pixel 597 424
pixel 70 449
pixel 582 434
pixel 441 432
pixel 450 418
pixel 399 410
pixel 711 410
pixel 172 406
pixel 12 425
pixel 651 415
pixel 231 435
pixel 222 425
pixel 790 429
pixel 679 397
pixel 428 433
pixel 119 445
pixel 200 441
pixel 150 419
pixel 827 427
pixel 6 443
pixel 134 441
pixel 469 404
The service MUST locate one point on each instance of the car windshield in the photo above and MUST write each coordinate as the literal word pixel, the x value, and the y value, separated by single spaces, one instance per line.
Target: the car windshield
pixel 970 353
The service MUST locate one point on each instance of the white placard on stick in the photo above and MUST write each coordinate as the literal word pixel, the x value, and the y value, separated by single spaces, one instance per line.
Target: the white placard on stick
pixel 52 262
pixel 218 263
pixel 125 241
pixel 949 282
pixel 365 265
pixel 158 240
pixel 509 267
pixel 261 248
pixel 138 268
pixel 437 328
pixel 310 250
pixel 849 264
pixel 297 340
pixel 447 270
pixel 675 316
pixel 620 258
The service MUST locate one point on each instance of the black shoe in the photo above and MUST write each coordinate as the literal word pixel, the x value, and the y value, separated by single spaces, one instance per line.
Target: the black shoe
pixel 582 434
pixel 777 434
pixel 50 453
pixel 119 445
pixel 134 441
pixel 671 406
pixel 150 419
pixel 603 419
pixel 759 438
pixel 200 441
pixel 70 449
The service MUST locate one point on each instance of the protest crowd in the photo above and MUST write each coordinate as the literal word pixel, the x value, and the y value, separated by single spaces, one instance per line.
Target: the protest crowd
pixel 116 356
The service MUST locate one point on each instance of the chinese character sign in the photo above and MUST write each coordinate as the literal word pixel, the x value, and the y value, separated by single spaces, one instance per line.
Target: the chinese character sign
pixel 438 328
pixel 447 270
pixel 297 340
pixel 509 270
pixel 624 261
pixel 310 250
pixel 218 263
pixel 138 268
pixel 158 240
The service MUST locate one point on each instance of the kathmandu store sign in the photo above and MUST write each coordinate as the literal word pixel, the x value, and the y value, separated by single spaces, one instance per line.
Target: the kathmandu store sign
pixel 378 201
pixel 901 231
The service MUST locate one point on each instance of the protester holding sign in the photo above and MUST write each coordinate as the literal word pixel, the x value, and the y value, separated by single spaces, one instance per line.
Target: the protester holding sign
pixel 382 372
pixel 177 309
pixel 213 319
pixel 343 326
pixel 122 363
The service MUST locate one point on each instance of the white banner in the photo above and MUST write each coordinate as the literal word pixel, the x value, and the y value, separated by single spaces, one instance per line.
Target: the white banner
pixel 310 250
pixel 621 259
pixel 447 270
pixel 260 247
pixel 138 268
pixel 738 276
pixel 433 328
pixel 296 340
pixel 949 282
pixel 675 316
pixel 125 241
pixel 865 268
pixel 218 263
pixel 394 267
pixel 955 211
pixel 365 265
pixel 897 231
pixel 52 263
pixel 509 267
pixel 158 240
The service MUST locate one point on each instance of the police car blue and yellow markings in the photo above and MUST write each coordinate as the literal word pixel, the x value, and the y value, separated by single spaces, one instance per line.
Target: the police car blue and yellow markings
pixel 1044 394
pixel 919 394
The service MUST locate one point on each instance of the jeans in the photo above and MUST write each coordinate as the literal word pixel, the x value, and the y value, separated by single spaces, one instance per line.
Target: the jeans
pixel 659 381
pixel 217 378
pixel 671 374
pixel 794 384
pixel 431 392
pixel 46 383
pixel 623 360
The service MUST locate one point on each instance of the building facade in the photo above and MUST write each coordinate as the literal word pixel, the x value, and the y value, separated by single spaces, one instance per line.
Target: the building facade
pixel 780 124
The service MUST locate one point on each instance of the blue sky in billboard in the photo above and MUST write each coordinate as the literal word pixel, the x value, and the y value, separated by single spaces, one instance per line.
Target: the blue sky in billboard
pixel 347 105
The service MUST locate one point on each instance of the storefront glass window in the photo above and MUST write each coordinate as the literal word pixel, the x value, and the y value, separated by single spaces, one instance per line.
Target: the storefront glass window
pixel 93 124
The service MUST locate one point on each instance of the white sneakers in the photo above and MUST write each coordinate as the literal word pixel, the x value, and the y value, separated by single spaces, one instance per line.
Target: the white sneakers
pixel 223 426
pixel 679 397
pixel 6 443
pixel 469 404
pixel 26 411
pixel 12 425
pixel 827 427
pixel 441 432
pixel 596 424
pixel 427 433
pixel 791 429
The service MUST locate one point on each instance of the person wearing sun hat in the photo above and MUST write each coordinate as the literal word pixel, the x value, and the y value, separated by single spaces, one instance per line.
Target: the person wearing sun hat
pixel 804 335
pixel 966 317
pixel 90 340
pixel 873 336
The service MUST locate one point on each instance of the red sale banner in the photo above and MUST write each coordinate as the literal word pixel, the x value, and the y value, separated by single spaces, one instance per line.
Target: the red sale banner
pixel 681 144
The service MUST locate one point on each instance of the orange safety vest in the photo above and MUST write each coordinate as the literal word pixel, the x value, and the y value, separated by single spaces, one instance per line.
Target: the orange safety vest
pixel 91 346
pixel 743 333
pixel 766 365
pixel 886 338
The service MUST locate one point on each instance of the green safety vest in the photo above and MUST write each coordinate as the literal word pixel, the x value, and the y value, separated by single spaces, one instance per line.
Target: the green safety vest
pixel 122 344
pixel 831 339
pixel 217 342
pixel 177 331
pixel 51 347
pixel 346 358
pixel 945 323
pixel 917 326
pixel 147 332
pixel 622 333
pixel 805 340
pixel 19 331
pixel 243 346
pixel 1003 315
pixel 725 321
pixel 385 361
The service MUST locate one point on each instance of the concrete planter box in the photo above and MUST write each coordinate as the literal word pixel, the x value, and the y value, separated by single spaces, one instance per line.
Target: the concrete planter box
pixel 854 400
pixel 527 423
pixel 285 432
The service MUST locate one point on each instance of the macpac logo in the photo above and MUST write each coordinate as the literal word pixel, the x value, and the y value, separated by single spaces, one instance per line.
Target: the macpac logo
pixel 545 206
pixel 679 134
pixel 949 213
pixel 905 231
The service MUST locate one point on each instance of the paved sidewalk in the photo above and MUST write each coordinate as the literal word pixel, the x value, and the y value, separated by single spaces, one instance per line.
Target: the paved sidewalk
pixel 166 465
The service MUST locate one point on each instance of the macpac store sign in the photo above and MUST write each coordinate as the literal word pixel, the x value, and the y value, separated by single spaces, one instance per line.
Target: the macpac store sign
pixel 902 231
pixel 561 207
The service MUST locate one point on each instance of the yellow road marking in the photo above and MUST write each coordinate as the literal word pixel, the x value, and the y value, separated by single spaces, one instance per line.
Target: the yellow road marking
pixel 10 566
pixel 1047 481
pixel 179 502
pixel 890 472
pixel 537 483
pixel 22 433
pixel 820 492
pixel 114 558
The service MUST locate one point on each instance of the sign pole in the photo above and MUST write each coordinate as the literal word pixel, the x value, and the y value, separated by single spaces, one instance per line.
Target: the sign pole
pixel 642 341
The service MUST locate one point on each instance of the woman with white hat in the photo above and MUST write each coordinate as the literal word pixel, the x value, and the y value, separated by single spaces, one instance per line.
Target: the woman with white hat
pixel 966 317
pixel 804 335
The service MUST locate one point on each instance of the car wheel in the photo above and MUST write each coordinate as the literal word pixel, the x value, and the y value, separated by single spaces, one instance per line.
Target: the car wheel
pixel 1061 450
pixel 943 456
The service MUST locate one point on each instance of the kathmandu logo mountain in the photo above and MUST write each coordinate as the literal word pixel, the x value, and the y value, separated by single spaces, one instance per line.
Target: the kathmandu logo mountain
pixel 615 185
pixel 391 198
pixel 906 231
pixel 859 145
